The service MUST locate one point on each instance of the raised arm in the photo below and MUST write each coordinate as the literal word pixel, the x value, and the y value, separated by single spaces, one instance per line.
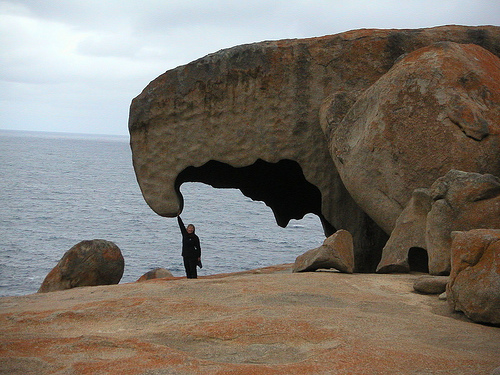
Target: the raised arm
pixel 182 226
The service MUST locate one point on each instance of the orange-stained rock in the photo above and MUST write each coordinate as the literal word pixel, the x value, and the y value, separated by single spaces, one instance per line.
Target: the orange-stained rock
pixel 156 273
pixel 88 263
pixel 436 109
pixel 458 201
pixel 474 286
pixel 336 252
pixel 461 201
pixel 248 117
pixel 262 322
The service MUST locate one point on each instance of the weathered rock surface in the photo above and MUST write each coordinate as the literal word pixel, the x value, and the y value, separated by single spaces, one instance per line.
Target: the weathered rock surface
pixel 436 109
pixel 457 201
pixel 431 284
pixel 88 263
pixel 250 323
pixel 248 117
pixel 336 252
pixel 156 273
pixel 474 286
pixel 408 233
pixel 461 201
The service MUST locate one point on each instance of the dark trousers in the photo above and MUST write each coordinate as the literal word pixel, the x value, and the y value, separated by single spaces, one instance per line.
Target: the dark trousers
pixel 190 266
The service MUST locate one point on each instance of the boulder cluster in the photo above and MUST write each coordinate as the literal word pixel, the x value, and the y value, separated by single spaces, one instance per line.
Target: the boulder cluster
pixel 390 135
pixel 458 201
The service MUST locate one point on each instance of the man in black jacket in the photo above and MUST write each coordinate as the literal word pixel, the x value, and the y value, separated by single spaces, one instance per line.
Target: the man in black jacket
pixel 191 249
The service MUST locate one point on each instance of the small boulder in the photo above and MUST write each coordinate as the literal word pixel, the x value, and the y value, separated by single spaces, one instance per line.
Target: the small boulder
pixel 88 263
pixel 336 252
pixel 157 273
pixel 431 284
pixel 474 286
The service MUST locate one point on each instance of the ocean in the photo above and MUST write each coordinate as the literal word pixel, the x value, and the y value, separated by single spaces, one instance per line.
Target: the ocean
pixel 58 189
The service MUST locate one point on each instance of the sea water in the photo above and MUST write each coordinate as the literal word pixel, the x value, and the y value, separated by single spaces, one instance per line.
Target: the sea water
pixel 59 189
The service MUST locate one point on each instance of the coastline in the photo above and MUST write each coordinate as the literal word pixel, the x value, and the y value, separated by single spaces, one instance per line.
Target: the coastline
pixel 264 321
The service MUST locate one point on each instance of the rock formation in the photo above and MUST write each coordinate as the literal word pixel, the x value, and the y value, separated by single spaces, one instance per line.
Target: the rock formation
pixel 458 201
pixel 336 252
pixel 461 201
pixel 474 286
pixel 436 109
pixel 408 234
pixel 268 321
pixel 156 273
pixel 248 117
pixel 88 263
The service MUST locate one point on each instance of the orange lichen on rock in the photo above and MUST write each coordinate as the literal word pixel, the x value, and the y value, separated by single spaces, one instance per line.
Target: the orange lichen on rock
pixel 269 321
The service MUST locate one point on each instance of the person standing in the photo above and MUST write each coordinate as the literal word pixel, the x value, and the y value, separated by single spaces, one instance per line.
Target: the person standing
pixel 191 249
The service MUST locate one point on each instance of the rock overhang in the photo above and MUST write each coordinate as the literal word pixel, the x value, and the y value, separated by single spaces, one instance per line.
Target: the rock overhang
pixel 261 102
pixel 222 108
pixel 281 185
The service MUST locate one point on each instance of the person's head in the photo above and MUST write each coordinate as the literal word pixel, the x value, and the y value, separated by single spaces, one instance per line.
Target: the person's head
pixel 190 228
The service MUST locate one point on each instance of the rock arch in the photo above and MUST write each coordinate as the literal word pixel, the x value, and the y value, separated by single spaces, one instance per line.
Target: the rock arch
pixel 282 186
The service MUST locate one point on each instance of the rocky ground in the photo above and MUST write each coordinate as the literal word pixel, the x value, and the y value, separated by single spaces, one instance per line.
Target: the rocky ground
pixel 268 321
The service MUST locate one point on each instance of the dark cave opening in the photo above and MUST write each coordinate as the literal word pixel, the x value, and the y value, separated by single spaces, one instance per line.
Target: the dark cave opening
pixel 418 259
pixel 281 186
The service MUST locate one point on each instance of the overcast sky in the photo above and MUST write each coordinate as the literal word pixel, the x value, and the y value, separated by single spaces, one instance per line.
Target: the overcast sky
pixel 75 65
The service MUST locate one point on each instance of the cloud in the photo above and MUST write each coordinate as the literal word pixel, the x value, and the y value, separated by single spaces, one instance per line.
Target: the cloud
pixel 76 65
